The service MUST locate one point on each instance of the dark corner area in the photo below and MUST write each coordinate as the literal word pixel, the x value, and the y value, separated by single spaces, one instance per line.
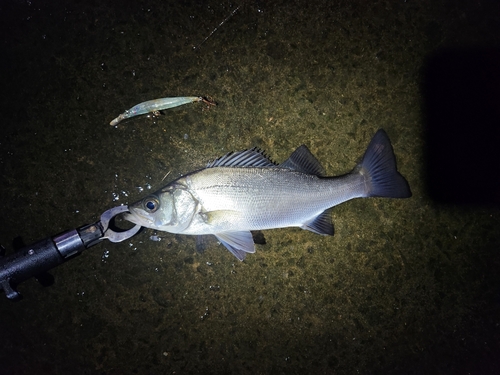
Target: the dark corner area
pixel 461 105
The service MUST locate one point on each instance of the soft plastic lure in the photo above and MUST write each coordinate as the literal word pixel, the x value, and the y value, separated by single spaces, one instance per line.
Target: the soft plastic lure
pixel 158 105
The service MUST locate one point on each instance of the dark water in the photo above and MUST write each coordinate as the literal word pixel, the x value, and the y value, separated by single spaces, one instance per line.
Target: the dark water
pixel 404 287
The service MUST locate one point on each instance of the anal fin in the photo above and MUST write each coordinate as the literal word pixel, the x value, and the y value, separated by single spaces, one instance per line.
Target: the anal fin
pixel 321 224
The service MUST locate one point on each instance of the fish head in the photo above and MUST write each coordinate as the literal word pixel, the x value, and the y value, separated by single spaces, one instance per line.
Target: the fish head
pixel 171 209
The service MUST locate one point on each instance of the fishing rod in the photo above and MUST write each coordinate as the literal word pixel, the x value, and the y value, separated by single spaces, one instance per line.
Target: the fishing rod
pixel 36 259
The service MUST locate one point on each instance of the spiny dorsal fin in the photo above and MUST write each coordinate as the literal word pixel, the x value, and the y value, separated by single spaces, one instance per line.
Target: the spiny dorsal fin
pixel 246 158
pixel 302 160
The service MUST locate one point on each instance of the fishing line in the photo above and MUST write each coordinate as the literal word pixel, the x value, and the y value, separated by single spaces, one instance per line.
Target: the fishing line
pixel 220 24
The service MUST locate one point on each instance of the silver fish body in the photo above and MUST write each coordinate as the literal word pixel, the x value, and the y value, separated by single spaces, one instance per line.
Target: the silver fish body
pixel 245 191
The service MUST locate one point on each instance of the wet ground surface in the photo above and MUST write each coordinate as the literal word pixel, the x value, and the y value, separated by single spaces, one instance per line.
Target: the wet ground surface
pixel 404 287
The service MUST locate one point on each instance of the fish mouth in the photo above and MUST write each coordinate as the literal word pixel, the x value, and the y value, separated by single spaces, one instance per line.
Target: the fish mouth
pixel 129 217
pixel 135 217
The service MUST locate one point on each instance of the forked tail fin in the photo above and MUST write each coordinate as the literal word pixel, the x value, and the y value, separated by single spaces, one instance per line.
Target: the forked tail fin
pixel 380 170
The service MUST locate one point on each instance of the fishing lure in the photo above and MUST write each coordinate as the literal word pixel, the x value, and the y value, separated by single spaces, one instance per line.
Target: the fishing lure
pixel 157 105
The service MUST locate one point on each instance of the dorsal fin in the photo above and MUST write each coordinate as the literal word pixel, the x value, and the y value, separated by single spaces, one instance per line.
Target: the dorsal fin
pixel 302 160
pixel 246 158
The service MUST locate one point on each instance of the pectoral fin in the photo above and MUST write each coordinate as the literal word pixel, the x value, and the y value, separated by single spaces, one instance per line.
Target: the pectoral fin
pixel 221 217
pixel 238 243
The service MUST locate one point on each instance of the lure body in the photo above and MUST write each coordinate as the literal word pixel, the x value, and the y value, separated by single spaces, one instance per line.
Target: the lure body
pixel 155 105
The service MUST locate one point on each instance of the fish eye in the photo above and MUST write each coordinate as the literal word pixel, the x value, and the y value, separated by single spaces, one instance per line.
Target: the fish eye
pixel 151 204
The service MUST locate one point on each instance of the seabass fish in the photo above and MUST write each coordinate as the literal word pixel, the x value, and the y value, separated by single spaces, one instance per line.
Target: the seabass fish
pixel 245 191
